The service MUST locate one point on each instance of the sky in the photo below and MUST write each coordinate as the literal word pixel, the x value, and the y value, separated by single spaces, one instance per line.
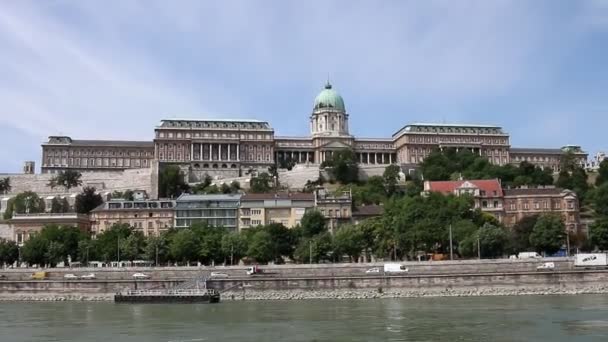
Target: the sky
pixel 113 69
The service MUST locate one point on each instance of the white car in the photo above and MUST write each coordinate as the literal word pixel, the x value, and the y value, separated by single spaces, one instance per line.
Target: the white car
pixel 218 275
pixel 546 266
pixel 141 276
pixel 70 276
pixel 373 270
pixel 88 276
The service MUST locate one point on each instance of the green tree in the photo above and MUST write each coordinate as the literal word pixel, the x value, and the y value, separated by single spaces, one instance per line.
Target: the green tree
pixel 349 240
pixel 108 242
pixel 599 200
pixel 342 166
pixel 157 249
pixel 312 223
pixel 171 182
pixel 86 250
pixel 54 253
pixel 548 234
pixel 318 247
pixel 522 231
pixel 132 247
pixel 261 248
pixel 5 185
pixel 234 247
pixel 23 203
pixel 56 206
pixel 184 246
pixel 34 250
pixel 602 176
pixel 492 241
pixel 391 179
pixel 127 195
pixel 67 179
pixel 87 200
pixel 262 183
pixel 9 252
pixel 598 233
pixel 210 242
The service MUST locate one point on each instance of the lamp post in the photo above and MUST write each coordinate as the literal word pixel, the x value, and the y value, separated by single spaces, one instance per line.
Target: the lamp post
pixel 451 249
pixel 310 252
pixel 156 264
pixel 478 248
pixel 118 252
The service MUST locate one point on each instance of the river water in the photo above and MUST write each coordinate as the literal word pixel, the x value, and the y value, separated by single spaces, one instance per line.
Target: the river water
pixel 525 318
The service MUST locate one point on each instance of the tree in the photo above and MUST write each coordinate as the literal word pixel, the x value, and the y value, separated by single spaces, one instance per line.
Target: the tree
pixel 60 205
pixel 261 183
pixel 127 195
pixel 548 234
pixel 132 247
pixel 283 240
pixel 312 223
pixel 34 250
pixel 210 242
pixel 602 176
pixel 521 233
pixel 67 179
pixel 492 241
pixel 108 243
pixel 318 248
pixel 261 248
pixel 157 249
pixel 27 202
pixel 5 185
pixel 343 166
pixel 598 233
pixel 171 182
pixel 87 200
pixel 54 253
pixel 234 247
pixel 184 246
pixel 9 252
pixel 391 179
pixel 599 200
pixel 349 240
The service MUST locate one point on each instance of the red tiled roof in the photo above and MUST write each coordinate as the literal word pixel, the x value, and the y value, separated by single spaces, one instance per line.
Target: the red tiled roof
pixel 448 187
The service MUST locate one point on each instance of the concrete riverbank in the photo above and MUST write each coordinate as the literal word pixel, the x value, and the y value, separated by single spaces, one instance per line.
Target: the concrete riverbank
pixel 425 279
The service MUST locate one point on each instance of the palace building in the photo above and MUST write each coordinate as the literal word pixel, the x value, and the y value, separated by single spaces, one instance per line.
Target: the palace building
pixel 232 148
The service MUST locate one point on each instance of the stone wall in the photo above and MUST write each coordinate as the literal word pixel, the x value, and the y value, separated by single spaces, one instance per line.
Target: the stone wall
pixel 140 179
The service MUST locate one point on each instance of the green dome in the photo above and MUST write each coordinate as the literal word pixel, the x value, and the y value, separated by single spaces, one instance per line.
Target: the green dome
pixel 329 99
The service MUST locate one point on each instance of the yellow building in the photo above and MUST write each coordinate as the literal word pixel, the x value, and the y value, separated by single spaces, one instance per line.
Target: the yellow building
pixel 285 208
pixel 149 217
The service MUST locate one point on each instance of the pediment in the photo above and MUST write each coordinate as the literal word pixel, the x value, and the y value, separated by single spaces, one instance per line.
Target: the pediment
pixel 467 185
pixel 335 145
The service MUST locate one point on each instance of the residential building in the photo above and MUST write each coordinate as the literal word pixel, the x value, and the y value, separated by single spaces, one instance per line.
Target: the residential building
pixel 523 202
pixel 487 194
pixel 286 208
pixel 214 210
pixel 148 217
pixel 24 225
pixel 365 212
pixel 337 209
pixel 233 147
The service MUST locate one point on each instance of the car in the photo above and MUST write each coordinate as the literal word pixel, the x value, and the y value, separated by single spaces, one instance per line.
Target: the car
pixel 140 276
pixel 88 276
pixel 218 275
pixel 546 266
pixel 70 276
pixel 373 270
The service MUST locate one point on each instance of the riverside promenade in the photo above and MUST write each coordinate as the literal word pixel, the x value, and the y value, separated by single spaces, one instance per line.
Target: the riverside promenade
pixel 428 278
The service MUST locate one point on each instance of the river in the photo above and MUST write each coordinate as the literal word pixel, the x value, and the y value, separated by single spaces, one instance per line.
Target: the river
pixel 524 318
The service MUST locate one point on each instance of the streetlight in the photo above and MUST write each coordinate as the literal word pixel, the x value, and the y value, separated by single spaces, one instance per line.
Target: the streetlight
pixel 310 252
pixel 478 248
pixel 118 252
pixel 451 249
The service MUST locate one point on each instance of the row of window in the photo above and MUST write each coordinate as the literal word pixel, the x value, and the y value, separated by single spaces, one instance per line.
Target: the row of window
pixel 538 205
pixel 214 222
pixel 461 139
pixel 187 135
pixel 97 162
pixel 78 152
pixel 207 213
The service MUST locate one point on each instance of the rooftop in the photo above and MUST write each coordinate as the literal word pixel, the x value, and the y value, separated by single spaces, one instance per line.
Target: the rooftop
pixel 447 187
pixel 210 197
pixel 536 191
pixel 214 123
pixel 449 129
pixel 296 196
pixel 368 210
pixel 65 140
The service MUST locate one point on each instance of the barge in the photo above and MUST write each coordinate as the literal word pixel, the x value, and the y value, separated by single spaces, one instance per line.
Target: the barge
pixel 168 296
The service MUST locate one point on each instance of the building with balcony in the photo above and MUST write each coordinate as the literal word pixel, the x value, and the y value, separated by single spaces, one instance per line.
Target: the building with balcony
pixel 213 210
pixel 336 208
pixel 286 208
pixel 151 217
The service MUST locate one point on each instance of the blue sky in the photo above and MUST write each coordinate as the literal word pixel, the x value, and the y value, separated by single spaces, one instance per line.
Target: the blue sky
pixel 113 69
